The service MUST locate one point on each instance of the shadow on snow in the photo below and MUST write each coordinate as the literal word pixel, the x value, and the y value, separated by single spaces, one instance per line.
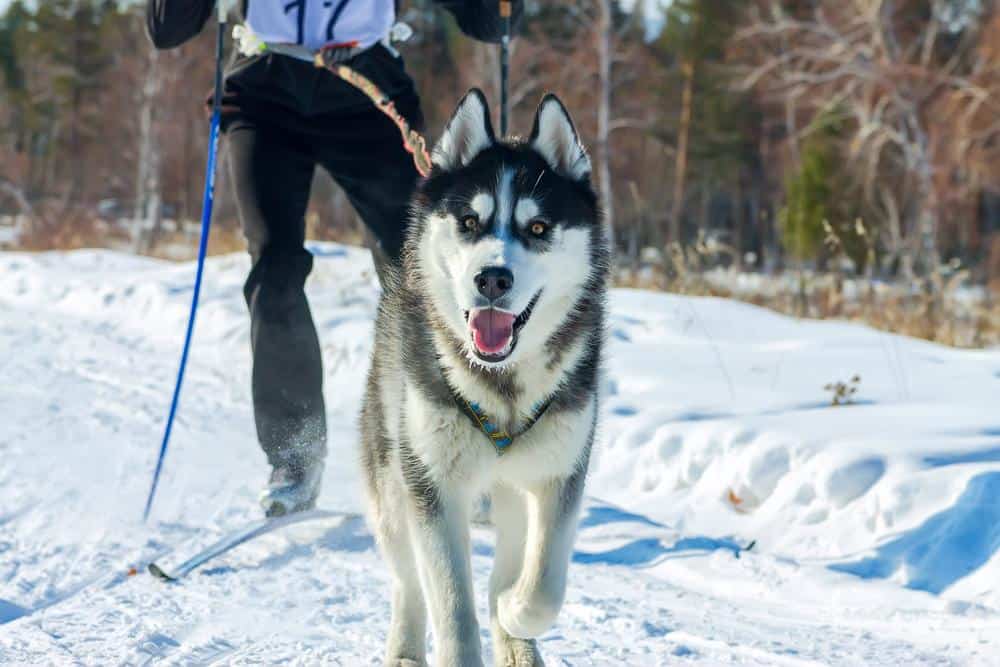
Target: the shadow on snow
pixel 651 550
pixel 643 551
pixel 10 611
pixel 947 547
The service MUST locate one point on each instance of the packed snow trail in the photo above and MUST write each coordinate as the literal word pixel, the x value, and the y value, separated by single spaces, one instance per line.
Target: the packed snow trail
pixel 877 525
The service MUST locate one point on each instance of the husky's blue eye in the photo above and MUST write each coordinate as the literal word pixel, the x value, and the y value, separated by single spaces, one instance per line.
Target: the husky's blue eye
pixel 471 223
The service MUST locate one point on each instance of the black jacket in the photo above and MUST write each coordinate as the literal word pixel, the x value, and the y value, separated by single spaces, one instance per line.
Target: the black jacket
pixel 272 84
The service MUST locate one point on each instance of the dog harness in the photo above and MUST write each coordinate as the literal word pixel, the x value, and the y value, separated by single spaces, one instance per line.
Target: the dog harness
pixel 498 437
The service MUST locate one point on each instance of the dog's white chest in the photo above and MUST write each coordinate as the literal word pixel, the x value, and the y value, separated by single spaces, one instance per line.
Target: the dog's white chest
pixel 453 447
pixel 551 448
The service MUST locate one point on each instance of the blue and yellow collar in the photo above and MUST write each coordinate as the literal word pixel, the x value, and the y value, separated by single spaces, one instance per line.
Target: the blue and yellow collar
pixel 498 437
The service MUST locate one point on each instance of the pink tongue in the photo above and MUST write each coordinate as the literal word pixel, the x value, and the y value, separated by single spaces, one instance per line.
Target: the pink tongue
pixel 491 330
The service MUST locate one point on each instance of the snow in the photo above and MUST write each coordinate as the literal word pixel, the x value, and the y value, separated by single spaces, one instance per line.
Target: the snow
pixel 876 525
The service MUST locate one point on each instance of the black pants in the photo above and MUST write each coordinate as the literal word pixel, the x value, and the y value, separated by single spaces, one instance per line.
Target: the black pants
pixel 271 161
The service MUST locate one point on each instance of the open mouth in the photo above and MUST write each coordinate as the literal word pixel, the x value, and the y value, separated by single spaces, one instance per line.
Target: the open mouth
pixel 494 332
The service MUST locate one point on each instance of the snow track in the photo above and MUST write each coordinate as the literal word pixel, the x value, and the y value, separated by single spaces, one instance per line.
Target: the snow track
pixel 877 526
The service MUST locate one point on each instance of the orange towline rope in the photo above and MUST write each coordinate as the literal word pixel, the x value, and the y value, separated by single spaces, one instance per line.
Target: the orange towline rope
pixel 413 141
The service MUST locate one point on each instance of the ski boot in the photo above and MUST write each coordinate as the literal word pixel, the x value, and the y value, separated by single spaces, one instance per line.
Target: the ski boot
pixel 291 488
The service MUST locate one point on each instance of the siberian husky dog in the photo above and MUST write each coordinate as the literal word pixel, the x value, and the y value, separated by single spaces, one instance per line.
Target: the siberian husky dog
pixel 484 379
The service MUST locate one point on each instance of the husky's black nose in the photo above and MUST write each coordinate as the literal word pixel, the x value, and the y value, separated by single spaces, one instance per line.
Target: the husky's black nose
pixel 493 282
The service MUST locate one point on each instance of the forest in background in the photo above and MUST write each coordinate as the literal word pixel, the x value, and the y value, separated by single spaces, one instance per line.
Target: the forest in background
pixel 825 158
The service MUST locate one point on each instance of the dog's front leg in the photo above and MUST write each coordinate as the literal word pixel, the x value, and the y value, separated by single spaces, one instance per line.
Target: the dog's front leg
pixel 530 606
pixel 439 528
pixel 508 514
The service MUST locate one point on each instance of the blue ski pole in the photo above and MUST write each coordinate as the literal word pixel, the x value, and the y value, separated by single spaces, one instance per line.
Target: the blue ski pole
pixel 206 224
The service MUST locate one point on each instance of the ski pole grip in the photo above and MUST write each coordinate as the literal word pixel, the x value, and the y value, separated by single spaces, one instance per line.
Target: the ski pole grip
pixel 505 9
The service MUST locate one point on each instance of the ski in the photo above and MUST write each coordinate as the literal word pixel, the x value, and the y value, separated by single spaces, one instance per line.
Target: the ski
pixel 238 537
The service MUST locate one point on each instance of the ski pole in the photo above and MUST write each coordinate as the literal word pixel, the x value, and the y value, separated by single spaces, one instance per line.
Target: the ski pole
pixel 505 12
pixel 206 222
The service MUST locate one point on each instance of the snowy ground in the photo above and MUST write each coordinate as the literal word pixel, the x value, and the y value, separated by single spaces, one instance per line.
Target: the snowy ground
pixel 877 525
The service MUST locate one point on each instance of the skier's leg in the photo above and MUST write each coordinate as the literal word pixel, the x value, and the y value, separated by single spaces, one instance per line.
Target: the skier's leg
pixel 368 160
pixel 271 174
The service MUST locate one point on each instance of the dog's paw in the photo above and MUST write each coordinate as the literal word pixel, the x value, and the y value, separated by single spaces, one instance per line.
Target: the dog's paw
pixel 511 652
pixel 404 662
pixel 522 618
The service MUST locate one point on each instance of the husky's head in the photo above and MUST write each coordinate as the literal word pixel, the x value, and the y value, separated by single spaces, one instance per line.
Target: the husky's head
pixel 507 237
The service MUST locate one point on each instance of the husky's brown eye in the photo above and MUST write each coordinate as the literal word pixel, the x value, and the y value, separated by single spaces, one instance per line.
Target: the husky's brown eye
pixel 538 227
pixel 470 222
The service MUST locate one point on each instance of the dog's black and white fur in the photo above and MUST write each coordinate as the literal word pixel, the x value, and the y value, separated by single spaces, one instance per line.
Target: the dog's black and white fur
pixel 527 208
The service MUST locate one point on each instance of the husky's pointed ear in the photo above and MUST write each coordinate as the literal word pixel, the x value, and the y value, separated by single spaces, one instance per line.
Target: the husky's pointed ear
pixel 555 139
pixel 468 133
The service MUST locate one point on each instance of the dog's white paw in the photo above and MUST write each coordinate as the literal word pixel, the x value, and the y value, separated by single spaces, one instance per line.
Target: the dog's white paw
pixel 523 618
pixel 405 662
pixel 511 652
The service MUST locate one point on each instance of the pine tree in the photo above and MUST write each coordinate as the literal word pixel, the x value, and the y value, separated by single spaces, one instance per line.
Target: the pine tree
pixel 714 128
pixel 807 205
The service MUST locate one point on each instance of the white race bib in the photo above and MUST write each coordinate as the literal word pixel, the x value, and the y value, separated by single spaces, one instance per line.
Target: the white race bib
pixel 316 23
